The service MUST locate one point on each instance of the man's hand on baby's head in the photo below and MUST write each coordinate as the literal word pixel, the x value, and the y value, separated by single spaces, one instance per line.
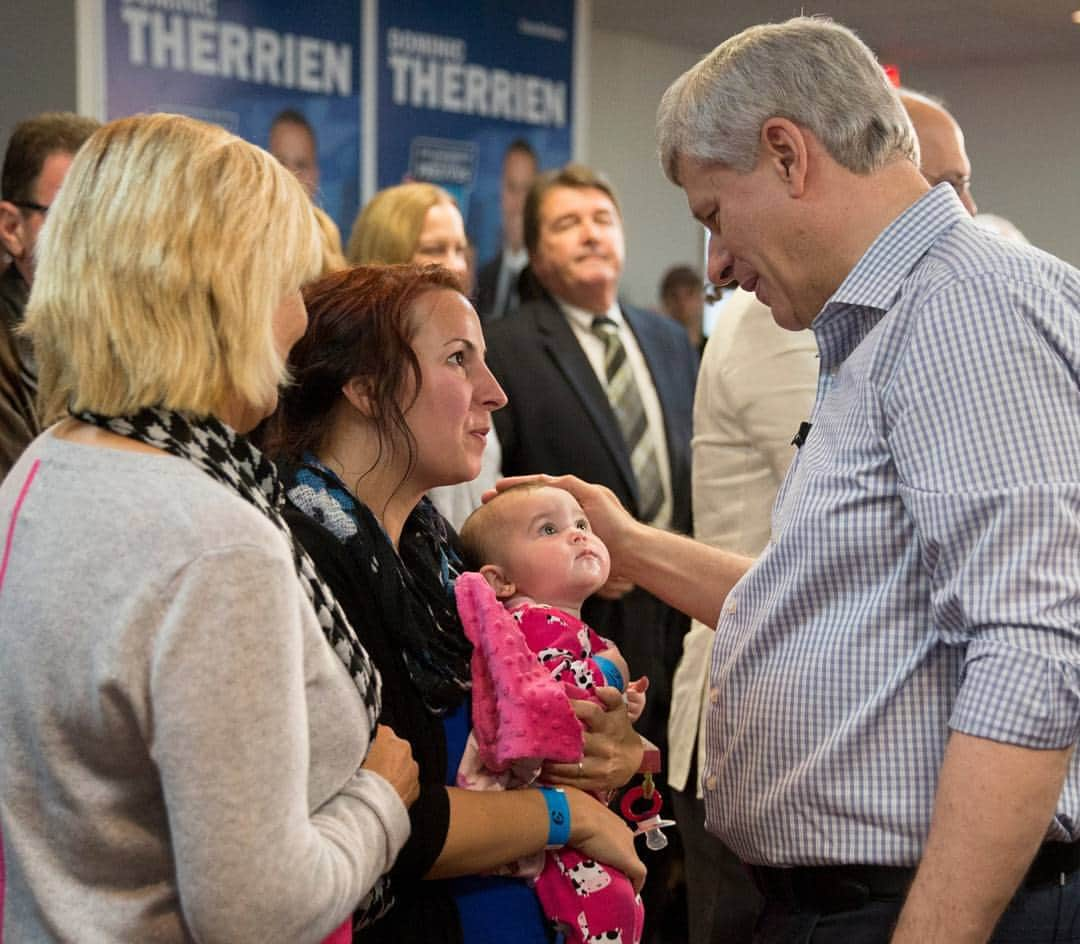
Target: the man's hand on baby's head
pixel 609 520
pixel 512 481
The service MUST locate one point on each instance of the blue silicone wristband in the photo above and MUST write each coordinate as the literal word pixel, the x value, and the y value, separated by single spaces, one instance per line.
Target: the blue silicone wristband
pixel 612 675
pixel 558 817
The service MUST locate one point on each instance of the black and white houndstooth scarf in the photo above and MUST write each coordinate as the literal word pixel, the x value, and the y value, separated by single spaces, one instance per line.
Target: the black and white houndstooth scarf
pixel 232 460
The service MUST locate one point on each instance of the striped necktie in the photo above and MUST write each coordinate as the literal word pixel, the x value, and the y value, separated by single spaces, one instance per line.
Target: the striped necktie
pixel 625 399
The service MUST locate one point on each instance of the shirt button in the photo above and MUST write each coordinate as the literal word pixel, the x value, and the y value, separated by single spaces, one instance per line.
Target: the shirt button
pixel 714 695
pixel 710 782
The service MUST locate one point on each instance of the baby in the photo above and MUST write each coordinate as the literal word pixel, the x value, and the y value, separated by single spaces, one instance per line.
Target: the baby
pixel 534 547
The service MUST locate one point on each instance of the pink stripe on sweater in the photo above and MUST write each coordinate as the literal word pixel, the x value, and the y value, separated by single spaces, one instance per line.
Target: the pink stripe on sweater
pixel 3 571
pixel 11 524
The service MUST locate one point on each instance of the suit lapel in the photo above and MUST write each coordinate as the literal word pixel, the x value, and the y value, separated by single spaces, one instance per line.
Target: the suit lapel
pixel 562 346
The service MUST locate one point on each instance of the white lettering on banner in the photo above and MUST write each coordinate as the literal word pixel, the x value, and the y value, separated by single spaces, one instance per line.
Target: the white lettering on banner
pixel 204 46
pixel 431 71
pixel 207 8
pixel 544 30
pixel 471 89
pixel 425 44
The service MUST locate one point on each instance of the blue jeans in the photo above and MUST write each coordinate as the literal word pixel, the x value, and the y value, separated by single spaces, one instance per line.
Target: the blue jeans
pixel 1048 914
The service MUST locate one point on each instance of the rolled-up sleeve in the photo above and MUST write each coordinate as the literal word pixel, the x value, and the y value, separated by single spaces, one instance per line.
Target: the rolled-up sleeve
pixel 986 435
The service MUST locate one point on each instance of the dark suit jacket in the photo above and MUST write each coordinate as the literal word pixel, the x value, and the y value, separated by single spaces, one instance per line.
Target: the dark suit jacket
pixel 18 381
pixel 487 284
pixel 558 420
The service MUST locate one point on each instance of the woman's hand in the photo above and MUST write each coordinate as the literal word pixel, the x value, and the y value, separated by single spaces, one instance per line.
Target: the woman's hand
pixel 391 758
pixel 601 835
pixel 612 747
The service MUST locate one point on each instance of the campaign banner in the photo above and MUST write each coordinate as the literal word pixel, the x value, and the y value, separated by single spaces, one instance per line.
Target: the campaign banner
pixel 244 64
pixel 458 82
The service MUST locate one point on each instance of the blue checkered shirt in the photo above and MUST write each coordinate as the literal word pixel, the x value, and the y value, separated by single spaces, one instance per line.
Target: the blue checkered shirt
pixel 924 573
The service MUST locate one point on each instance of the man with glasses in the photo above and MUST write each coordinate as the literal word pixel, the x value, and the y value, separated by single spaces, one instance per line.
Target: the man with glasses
pixel 37 159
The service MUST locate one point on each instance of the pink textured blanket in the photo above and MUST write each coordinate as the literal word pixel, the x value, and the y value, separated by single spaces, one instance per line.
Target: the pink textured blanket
pixel 519 710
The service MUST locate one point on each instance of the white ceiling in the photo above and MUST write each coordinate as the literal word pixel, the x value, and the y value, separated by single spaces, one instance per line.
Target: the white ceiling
pixel 928 32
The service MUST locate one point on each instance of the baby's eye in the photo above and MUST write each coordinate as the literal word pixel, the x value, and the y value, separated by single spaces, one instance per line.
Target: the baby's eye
pixel 581 524
pixel 548 529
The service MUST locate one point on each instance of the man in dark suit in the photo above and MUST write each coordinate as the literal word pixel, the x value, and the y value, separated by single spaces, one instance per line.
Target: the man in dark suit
pixel 554 365
pixel 497 281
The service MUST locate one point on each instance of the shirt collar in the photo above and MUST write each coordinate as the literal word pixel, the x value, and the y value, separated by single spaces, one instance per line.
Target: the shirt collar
pixel 515 260
pixel 874 284
pixel 584 319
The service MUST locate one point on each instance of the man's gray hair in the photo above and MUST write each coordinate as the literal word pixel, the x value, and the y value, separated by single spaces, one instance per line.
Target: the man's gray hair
pixel 810 70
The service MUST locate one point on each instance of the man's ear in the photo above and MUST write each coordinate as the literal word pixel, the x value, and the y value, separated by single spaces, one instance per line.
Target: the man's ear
pixel 356 392
pixel 496 578
pixel 784 146
pixel 11 230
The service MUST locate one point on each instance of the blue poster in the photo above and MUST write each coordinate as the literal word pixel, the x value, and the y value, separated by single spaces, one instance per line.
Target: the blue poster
pixel 460 81
pixel 252 66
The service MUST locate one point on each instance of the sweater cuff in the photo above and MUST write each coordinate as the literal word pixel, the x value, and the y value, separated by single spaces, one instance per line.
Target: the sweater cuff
pixel 384 801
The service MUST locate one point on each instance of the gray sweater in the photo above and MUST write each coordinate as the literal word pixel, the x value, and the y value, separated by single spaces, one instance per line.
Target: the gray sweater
pixel 178 743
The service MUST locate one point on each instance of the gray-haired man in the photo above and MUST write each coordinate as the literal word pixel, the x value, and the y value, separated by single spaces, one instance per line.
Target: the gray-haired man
pixel 895 682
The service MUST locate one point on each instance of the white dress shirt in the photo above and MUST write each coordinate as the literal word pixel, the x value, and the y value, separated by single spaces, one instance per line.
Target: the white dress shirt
pixel 756 385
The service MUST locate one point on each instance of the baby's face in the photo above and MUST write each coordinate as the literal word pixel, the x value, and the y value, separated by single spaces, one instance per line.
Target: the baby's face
pixel 549 551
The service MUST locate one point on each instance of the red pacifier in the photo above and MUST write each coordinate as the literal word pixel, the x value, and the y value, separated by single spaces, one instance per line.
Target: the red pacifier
pixel 647 821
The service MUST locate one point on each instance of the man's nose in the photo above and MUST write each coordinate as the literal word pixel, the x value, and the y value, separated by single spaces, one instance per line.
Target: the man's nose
pixel 721 264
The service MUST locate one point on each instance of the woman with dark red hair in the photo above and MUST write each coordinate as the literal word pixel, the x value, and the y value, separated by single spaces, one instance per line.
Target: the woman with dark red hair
pixel 391 398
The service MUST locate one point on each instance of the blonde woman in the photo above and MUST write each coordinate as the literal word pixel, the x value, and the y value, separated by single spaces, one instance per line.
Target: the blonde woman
pixel 189 746
pixel 333 259
pixel 421 224
pixel 413 222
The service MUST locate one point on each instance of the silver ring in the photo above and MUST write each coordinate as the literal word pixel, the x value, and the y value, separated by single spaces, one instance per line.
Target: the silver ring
pixel 581 768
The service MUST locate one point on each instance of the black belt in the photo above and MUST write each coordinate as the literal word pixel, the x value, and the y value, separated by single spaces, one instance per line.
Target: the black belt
pixel 832 888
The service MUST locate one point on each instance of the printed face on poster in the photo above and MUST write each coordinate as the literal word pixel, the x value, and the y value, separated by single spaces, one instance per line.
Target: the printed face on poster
pixel 457 84
pixel 242 64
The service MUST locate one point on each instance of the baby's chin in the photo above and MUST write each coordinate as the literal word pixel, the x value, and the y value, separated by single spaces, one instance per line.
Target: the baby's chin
pixel 594 587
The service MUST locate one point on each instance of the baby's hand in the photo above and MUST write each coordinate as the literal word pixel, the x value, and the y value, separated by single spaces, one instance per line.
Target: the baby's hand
pixel 635 697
